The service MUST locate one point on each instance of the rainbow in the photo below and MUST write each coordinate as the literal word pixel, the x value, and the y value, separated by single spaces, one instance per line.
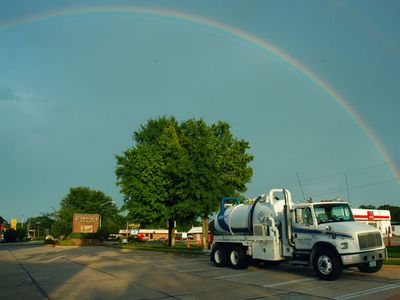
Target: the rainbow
pixel 228 30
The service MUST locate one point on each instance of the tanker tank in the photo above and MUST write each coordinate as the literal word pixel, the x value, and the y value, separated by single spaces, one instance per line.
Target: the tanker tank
pixel 240 219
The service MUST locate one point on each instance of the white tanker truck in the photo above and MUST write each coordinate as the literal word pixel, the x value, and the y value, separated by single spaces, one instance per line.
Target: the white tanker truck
pixel 272 230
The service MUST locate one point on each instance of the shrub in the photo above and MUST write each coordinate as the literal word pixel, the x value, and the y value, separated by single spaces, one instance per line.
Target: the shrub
pixel 102 234
pixel 134 240
pixel 82 235
pixel 10 236
pixel 65 243
pixel 21 234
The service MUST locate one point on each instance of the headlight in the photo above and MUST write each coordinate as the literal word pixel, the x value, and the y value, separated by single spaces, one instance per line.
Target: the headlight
pixel 344 245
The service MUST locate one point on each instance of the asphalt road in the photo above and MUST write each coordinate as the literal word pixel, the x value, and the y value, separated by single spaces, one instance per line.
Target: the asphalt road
pixel 39 272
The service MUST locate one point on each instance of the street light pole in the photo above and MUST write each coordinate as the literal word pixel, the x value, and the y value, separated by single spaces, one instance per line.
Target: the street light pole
pixel 111 201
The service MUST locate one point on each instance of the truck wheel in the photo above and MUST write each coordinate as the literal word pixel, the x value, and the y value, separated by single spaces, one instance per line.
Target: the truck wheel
pixel 365 268
pixel 327 265
pixel 219 256
pixel 238 258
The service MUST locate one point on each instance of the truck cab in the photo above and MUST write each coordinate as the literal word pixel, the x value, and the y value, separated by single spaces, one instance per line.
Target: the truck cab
pixel 326 234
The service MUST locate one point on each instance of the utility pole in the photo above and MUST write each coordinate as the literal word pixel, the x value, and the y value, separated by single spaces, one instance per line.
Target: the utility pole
pixel 111 201
pixel 347 187
pixel 301 187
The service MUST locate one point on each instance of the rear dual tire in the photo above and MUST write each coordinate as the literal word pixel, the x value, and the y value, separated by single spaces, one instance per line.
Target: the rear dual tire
pixel 234 256
pixel 238 258
pixel 219 255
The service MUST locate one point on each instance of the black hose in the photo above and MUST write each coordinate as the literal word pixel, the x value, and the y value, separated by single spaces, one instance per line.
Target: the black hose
pixel 251 213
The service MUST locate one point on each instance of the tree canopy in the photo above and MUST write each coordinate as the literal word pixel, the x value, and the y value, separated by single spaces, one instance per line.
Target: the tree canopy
pixel 44 222
pixel 367 206
pixel 394 211
pixel 178 171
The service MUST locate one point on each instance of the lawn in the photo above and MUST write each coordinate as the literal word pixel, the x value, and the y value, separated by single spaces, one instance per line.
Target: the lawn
pixel 393 251
pixel 393 256
pixel 180 247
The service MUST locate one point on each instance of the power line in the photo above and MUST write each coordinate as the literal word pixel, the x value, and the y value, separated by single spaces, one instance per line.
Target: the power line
pixel 338 175
pixel 319 185
pixel 357 187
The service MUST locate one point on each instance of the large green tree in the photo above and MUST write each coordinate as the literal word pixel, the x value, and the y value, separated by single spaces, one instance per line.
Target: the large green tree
pixel 217 166
pixel 86 200
pixel 180 171
pixel 146 174
pixel 141 176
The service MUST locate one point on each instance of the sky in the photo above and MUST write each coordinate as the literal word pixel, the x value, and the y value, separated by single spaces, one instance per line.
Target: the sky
pixel 313 86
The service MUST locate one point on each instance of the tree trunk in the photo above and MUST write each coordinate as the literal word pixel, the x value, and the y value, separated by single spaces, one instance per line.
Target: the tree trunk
pixel 171 233
pixel 204 239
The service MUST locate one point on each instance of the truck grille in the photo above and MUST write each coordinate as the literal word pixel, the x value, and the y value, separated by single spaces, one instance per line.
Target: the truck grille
pixel 369 240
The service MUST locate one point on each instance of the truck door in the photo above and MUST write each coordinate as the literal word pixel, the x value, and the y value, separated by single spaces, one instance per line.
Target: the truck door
pixel 304 229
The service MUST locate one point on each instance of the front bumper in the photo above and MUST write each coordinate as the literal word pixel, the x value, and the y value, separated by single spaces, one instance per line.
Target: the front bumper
pixel 363 257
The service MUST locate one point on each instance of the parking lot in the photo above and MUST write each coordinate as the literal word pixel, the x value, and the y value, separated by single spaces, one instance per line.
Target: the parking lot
pixel 38 272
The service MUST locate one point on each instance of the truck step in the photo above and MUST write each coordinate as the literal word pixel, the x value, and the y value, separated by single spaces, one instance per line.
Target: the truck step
pixel 299 263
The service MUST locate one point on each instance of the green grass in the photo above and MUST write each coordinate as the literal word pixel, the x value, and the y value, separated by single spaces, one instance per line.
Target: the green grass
pixel 180 247
pixel 392 262
pixel 393 251
pixel 393 256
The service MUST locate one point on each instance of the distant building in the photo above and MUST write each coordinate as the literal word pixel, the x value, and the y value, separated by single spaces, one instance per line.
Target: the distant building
pixel 146 234
pixel 376 217
pixel 195 233
pixel 153 234
pixel 396 229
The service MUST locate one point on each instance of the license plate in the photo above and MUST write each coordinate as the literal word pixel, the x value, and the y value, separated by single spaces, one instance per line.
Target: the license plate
pixel 372 263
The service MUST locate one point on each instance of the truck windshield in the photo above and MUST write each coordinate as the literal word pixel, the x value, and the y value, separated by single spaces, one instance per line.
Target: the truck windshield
pixel 333 212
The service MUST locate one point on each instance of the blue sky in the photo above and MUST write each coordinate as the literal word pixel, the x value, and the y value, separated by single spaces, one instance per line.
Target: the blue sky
pixel 74 88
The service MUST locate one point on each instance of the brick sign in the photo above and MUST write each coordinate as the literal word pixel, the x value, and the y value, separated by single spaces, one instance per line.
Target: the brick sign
pixel 85 223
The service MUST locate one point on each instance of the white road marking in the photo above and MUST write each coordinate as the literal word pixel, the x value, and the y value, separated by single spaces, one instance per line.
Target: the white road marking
pixel 370 291
pixel 236 275
pixel 195 270
pixel 55 258
pixel 177 265
pixel 269 285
